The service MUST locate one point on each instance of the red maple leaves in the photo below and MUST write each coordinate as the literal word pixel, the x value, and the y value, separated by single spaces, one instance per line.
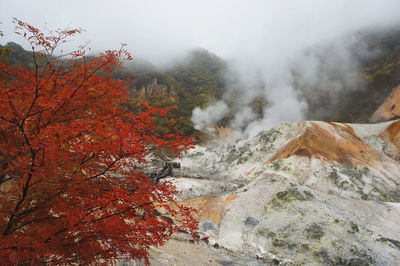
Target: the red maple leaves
pixel 71 161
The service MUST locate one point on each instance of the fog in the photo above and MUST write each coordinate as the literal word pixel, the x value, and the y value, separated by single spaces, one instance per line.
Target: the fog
pixel 263 41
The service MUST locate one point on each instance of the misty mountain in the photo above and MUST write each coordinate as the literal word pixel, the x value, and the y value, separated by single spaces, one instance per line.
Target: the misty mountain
pixel 376 73
pixel 349 80
pixel 345 80
pixel 195 80
pixel 18 56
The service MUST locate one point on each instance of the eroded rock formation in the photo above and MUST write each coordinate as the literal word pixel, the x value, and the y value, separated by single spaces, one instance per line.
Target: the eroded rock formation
pixel 389 109
pixel 309 193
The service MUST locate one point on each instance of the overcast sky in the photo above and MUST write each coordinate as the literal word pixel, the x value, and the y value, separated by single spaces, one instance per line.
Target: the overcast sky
pixel 161 29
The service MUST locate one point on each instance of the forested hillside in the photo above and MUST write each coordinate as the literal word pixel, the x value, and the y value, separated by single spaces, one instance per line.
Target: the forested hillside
pixel 200 78
pixel 378 74
pixel 17 56
pixel 194 81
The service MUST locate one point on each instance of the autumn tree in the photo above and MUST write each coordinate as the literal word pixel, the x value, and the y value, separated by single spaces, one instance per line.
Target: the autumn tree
pixel 72 188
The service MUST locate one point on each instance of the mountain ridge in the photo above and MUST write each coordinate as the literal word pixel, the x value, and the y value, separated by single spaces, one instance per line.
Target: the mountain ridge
pixel 200 78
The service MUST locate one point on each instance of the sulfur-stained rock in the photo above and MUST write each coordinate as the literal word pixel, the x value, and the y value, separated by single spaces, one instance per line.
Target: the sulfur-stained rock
pixel 390 108
pixel 312 193
pixel 391 136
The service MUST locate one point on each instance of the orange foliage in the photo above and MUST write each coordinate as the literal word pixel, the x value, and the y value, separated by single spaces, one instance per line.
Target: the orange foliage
pixel 71 161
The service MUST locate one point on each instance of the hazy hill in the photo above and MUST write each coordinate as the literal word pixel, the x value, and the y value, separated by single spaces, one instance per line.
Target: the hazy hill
pixel 200 78
pixel 193 81
pixel 17 56
pixel 377 75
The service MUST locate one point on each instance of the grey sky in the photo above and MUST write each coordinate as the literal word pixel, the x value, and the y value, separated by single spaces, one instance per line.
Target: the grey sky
pixel 160 29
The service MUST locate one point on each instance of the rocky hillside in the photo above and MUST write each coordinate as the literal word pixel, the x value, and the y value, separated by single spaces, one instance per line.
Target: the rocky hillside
pixel 312 193
pixel 389 109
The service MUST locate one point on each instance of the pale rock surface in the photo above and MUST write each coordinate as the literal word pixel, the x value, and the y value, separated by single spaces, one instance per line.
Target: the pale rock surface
pixel 312 193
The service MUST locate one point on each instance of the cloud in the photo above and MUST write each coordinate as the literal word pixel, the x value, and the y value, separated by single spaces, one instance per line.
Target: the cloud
pixel 205 119
pixel 158 30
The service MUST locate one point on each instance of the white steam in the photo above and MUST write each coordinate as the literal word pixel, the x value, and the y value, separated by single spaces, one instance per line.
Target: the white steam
pixel 205 119
pixel 285 107
pixel 326 68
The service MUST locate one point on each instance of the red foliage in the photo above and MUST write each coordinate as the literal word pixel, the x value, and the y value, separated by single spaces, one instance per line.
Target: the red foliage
pixel 71 162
